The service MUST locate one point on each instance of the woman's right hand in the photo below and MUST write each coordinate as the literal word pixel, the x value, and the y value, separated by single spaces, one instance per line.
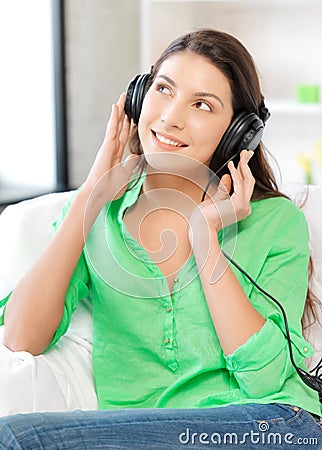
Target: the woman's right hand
pixel 108 177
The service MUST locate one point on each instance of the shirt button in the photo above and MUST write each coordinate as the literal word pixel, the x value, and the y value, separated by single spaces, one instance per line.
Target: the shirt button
pixel 176 280
pixel 166 341
pixel 169 309
pixel 305 349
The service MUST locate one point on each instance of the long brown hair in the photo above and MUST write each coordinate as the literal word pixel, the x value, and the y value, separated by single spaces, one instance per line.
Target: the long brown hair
pixel 230 56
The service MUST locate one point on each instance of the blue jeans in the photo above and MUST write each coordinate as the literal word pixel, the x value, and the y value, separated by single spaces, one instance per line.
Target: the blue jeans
pixel 248 427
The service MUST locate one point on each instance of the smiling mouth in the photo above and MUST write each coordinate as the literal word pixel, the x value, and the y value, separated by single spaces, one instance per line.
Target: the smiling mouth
pixel 167 141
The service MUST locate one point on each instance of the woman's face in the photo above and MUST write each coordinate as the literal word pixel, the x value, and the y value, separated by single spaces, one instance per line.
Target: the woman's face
pixel 187 108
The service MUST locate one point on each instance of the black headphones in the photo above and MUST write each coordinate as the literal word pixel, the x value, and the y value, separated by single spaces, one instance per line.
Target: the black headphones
pixel 244 132
pixel 135 94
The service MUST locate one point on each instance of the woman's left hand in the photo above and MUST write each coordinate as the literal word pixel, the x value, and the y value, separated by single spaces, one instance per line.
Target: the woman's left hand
pixel 222 209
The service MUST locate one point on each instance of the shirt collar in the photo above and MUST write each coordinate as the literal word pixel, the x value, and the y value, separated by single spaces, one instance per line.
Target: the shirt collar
pixel 131 194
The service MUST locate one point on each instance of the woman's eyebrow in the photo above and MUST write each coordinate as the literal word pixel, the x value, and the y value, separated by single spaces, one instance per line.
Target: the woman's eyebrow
pixel 208 94
pixel 169 80
pixel 196 94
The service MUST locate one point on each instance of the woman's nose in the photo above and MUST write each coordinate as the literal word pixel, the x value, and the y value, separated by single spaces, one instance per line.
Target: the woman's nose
pixel 173 115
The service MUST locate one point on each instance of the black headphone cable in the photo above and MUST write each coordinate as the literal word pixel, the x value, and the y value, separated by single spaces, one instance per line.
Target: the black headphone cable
pixel 312 379
pixel 211 178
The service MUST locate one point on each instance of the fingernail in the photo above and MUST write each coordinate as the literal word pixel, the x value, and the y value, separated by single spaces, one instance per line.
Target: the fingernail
pixel 250 154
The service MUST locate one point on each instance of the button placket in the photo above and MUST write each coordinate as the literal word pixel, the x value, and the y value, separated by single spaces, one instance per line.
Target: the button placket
pixel 168 325
pixel 169 332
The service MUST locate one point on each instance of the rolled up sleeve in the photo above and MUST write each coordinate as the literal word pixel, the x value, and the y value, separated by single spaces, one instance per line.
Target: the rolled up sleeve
pixel 262 364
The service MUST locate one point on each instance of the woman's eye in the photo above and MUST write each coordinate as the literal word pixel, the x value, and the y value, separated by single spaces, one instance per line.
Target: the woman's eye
pixel 203 106
pixel 163 89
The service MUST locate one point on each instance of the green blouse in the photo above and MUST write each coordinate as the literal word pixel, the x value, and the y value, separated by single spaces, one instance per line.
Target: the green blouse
pixel 153 349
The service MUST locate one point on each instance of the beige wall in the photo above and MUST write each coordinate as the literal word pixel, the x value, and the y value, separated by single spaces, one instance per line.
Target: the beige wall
pixel 102 53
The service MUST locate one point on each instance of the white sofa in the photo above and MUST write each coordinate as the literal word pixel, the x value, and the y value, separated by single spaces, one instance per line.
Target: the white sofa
pixel 62 379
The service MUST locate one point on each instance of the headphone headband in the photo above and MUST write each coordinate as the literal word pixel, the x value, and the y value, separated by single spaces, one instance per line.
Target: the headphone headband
pixel 264 112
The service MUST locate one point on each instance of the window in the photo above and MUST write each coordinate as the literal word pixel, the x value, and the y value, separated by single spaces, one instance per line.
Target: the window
pixel 32 138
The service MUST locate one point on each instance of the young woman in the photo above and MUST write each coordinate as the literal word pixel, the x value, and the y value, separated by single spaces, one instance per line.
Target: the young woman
pixel 186 350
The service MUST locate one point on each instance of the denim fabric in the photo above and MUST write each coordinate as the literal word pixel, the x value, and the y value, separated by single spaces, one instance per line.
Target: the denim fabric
pixel 249 427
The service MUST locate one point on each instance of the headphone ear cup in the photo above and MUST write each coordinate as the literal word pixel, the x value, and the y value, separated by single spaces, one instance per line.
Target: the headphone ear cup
pixel 135 94
pixel 244 132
